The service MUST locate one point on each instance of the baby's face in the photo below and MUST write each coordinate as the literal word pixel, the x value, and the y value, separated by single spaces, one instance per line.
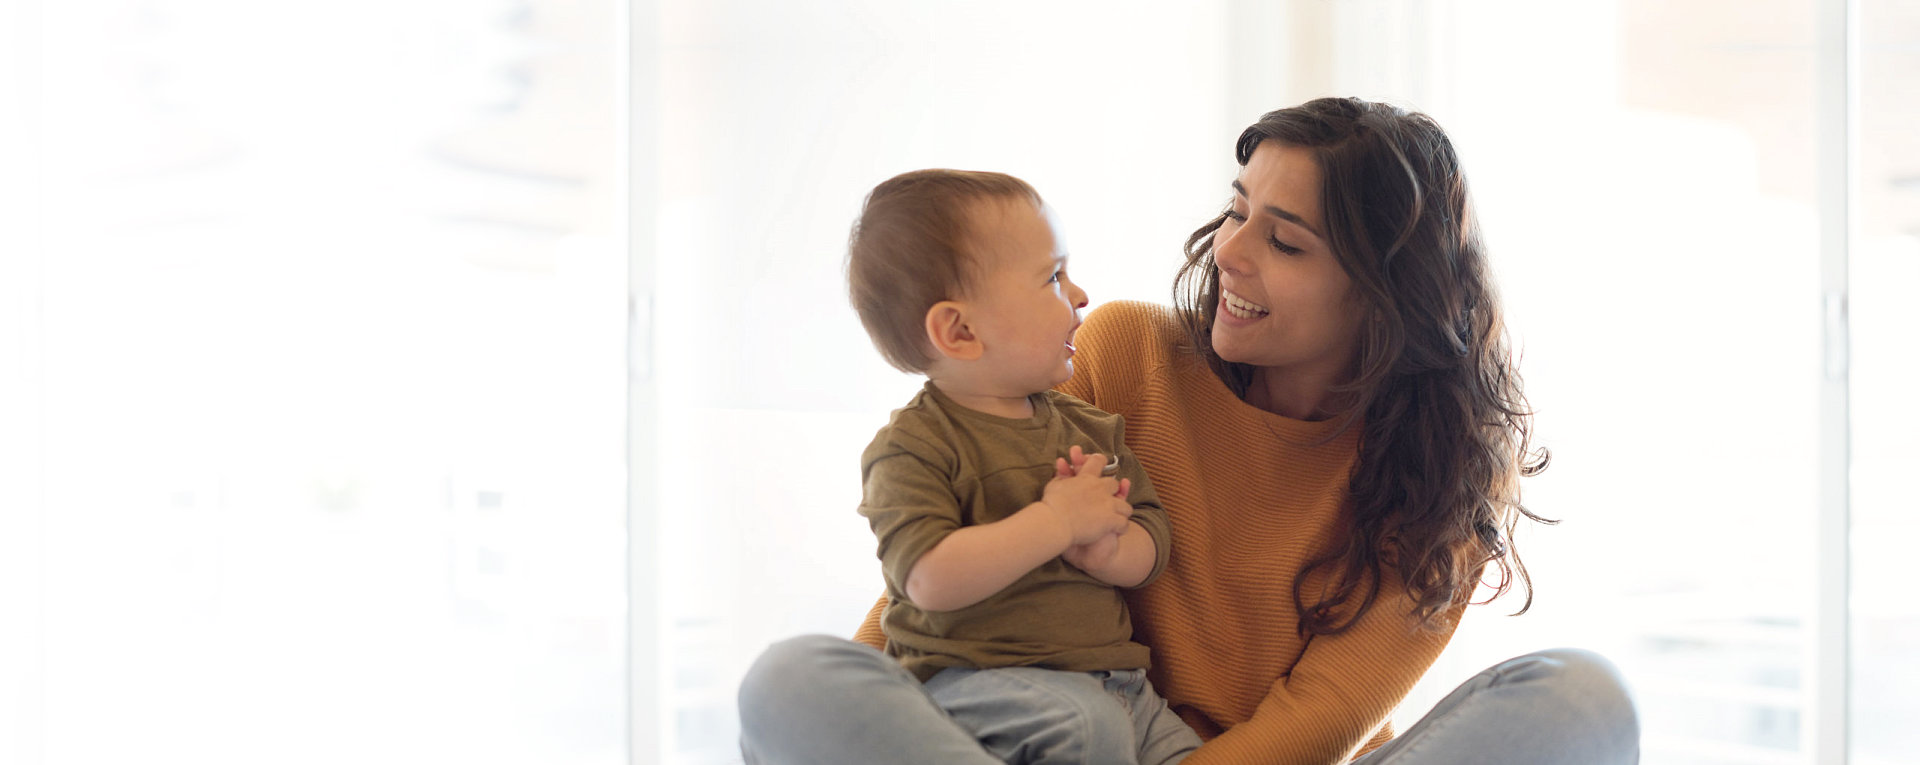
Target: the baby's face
pixel 1024 308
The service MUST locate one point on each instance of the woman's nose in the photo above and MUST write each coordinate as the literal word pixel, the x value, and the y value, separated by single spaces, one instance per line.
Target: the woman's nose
pixel 1227 254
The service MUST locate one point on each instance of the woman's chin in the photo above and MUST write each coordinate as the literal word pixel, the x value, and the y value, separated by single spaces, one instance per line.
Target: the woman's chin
pixel 1236 351
pixel 1226 346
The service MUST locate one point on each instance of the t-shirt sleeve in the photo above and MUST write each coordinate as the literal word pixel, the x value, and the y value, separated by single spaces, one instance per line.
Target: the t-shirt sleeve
pixel 907 498
pixel 1147 510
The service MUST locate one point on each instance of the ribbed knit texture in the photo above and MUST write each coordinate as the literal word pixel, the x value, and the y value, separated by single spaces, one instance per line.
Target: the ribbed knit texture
pixel 1252 496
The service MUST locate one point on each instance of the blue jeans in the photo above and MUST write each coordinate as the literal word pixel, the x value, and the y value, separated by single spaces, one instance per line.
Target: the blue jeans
pixel 819 699
pixel 880 713
pixel 1563 706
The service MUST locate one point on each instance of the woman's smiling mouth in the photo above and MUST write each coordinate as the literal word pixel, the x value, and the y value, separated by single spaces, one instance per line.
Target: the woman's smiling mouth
pixel 1241 307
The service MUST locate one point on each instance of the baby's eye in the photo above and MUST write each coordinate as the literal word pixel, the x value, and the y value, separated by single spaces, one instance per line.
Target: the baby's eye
pixel 1056 276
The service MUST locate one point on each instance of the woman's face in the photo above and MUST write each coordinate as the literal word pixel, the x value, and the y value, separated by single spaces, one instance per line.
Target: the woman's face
pixel 1286 305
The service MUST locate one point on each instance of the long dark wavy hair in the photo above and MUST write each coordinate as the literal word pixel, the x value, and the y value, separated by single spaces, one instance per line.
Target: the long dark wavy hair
pixel 1445 427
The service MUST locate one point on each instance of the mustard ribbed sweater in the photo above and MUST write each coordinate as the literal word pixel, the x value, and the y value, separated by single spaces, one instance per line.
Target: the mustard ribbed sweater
pixel 1251 496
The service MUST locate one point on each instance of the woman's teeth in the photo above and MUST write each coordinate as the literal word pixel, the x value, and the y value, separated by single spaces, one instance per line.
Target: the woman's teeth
pixel 1239 306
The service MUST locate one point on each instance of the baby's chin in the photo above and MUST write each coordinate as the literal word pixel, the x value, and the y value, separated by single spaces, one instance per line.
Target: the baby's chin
pixel 1063 377
pixel 1037 385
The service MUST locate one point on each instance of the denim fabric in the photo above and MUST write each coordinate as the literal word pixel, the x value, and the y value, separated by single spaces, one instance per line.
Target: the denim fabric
pixel 1562 706
pixel 1032 716
pixel 821 699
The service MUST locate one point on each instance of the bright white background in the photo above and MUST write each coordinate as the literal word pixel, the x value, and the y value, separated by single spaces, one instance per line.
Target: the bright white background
pixel 317 334
pixel 314 430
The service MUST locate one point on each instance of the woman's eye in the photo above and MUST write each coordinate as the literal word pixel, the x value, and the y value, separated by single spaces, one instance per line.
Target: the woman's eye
pixel 1283 246
pixel 1235 216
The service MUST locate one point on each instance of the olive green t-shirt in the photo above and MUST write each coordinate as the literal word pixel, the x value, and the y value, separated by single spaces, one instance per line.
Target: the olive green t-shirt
pixel 938 466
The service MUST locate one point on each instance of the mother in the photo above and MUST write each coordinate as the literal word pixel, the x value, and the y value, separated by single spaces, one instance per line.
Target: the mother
pixel 1332 418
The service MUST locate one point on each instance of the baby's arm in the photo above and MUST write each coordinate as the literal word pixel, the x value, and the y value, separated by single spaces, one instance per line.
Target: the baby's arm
pixel 972 563
pixel 1121 560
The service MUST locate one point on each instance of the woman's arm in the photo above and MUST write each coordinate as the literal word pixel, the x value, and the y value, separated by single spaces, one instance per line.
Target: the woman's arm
pixel 1342 690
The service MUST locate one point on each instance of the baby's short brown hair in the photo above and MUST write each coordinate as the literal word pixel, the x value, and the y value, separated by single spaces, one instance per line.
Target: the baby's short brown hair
pixel 910 250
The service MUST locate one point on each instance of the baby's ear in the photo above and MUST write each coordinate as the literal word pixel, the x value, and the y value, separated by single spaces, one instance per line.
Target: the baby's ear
pixel 949 334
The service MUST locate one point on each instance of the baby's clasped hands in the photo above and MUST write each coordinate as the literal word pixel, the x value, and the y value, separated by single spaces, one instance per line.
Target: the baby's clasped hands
pixel 1091 506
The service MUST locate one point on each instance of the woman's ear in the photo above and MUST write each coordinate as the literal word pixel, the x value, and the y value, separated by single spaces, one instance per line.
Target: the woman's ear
pixel 949 334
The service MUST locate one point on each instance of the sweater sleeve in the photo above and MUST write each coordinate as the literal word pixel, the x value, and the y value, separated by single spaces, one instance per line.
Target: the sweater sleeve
pixel 869 631
pixel 1340 693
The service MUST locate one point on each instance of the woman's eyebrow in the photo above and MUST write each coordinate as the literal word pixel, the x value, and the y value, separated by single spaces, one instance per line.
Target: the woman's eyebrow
pixel 1279 213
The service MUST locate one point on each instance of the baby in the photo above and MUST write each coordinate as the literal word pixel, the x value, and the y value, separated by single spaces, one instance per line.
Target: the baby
pixel 1002 541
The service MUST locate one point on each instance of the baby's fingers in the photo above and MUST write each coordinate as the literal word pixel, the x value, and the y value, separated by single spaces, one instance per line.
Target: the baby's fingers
pixel 1090 464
